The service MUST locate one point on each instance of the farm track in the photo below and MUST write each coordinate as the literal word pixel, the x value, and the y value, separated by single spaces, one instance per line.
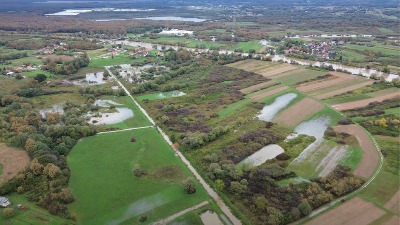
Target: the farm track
pixel 225 209
pixel 176 215
pixel 362 103
pixel 370 152
pixel 343 90
pixel 298 112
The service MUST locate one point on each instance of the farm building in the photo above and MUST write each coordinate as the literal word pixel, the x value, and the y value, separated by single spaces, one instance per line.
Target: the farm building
pixel 4 202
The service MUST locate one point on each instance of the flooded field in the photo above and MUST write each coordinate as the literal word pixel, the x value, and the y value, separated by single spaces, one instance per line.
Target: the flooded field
pixel 266 153
pixel 117 115
pixel 316 128
pixel 140 74
pixel 54 109
pixel 269 111
pixel 91 79
pixel 210 218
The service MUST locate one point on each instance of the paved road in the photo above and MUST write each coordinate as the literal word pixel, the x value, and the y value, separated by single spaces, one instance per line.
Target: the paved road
pixel 176 215
pixel 210 191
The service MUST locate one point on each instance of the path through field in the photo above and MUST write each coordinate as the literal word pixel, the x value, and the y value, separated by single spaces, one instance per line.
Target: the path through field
pixel 210 191
pixel 176 215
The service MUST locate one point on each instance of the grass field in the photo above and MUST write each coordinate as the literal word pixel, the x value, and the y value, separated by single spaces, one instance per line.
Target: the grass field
pixel 106 190
pixel 117 60
pixel 34 215
pixel 353 157
pixel 291 78
pixel 246 46
pixel 167 40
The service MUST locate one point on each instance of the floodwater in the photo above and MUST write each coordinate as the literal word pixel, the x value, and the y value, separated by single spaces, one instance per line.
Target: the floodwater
pixel 316 128
pixel 105 103
pixel 269 111
pixel 266 153
pixel 171 94
pixel 54 109
pixel 91 79
pixel 112 118
pixel 210 218
pixel 173 18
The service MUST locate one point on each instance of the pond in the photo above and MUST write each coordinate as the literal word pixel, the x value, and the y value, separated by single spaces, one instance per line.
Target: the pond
pixel 105 118
pixel 171 94
pixel 269 111
pixel 266 153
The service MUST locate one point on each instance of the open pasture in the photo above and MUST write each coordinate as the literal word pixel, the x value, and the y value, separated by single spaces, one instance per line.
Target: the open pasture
pixel 106 190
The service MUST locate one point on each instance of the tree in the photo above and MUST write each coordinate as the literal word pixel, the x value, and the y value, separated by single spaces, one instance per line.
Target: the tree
pixel 8 212
pixel 40 77
pixel 305 208
pixel 36 167
pixel 189 186
pixel 51 170
pixel 219 184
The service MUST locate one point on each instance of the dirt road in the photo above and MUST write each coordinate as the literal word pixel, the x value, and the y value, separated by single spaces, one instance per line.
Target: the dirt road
pixel 176 215
pixel 370 158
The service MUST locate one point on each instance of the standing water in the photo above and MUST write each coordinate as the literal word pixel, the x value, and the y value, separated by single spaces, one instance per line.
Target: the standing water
pixel 269 111
pixel 266 153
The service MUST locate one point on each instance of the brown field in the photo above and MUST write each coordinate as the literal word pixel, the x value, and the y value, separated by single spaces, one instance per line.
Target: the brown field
pixel 265 94
pixel 276 70
pixel 394 203
pixel 370 156
pixel 395 220
pixel 256 87
pixel 336 79
pixel 354 212
pixel 298 112
pixel 12 160
pixel 343 90
pixel 62 58
pixel 365 102
pixel 251 64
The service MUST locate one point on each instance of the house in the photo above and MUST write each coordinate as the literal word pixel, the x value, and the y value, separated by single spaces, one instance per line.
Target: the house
pixel 9 72
pixel 4 202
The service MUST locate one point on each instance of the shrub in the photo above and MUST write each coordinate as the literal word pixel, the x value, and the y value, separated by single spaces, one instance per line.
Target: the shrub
pixel 189 186
pixel 282 157
pixel 142 218
pixel 8 212
pixel 138 171
pixel 133 139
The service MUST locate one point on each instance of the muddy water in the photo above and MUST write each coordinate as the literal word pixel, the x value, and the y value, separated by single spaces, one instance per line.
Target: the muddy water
pixel 269 111
pixel 210 218
pixel 266 153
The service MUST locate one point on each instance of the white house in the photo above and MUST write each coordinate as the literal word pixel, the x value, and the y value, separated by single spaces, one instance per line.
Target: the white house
pixel 4 202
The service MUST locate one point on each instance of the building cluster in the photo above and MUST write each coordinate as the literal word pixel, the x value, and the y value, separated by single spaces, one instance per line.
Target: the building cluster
pixel 323 50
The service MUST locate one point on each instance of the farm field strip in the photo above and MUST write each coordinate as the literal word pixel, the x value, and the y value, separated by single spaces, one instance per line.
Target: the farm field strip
pixel 324 83
pixel 271 92
pixel 249 64
pixel 256 87
pixel 277 70
pixel 395 220
pixel 362 103
pixel 394 203
pixel 343 90
pixel 209 190
pixel 354 212
pixel 299 112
